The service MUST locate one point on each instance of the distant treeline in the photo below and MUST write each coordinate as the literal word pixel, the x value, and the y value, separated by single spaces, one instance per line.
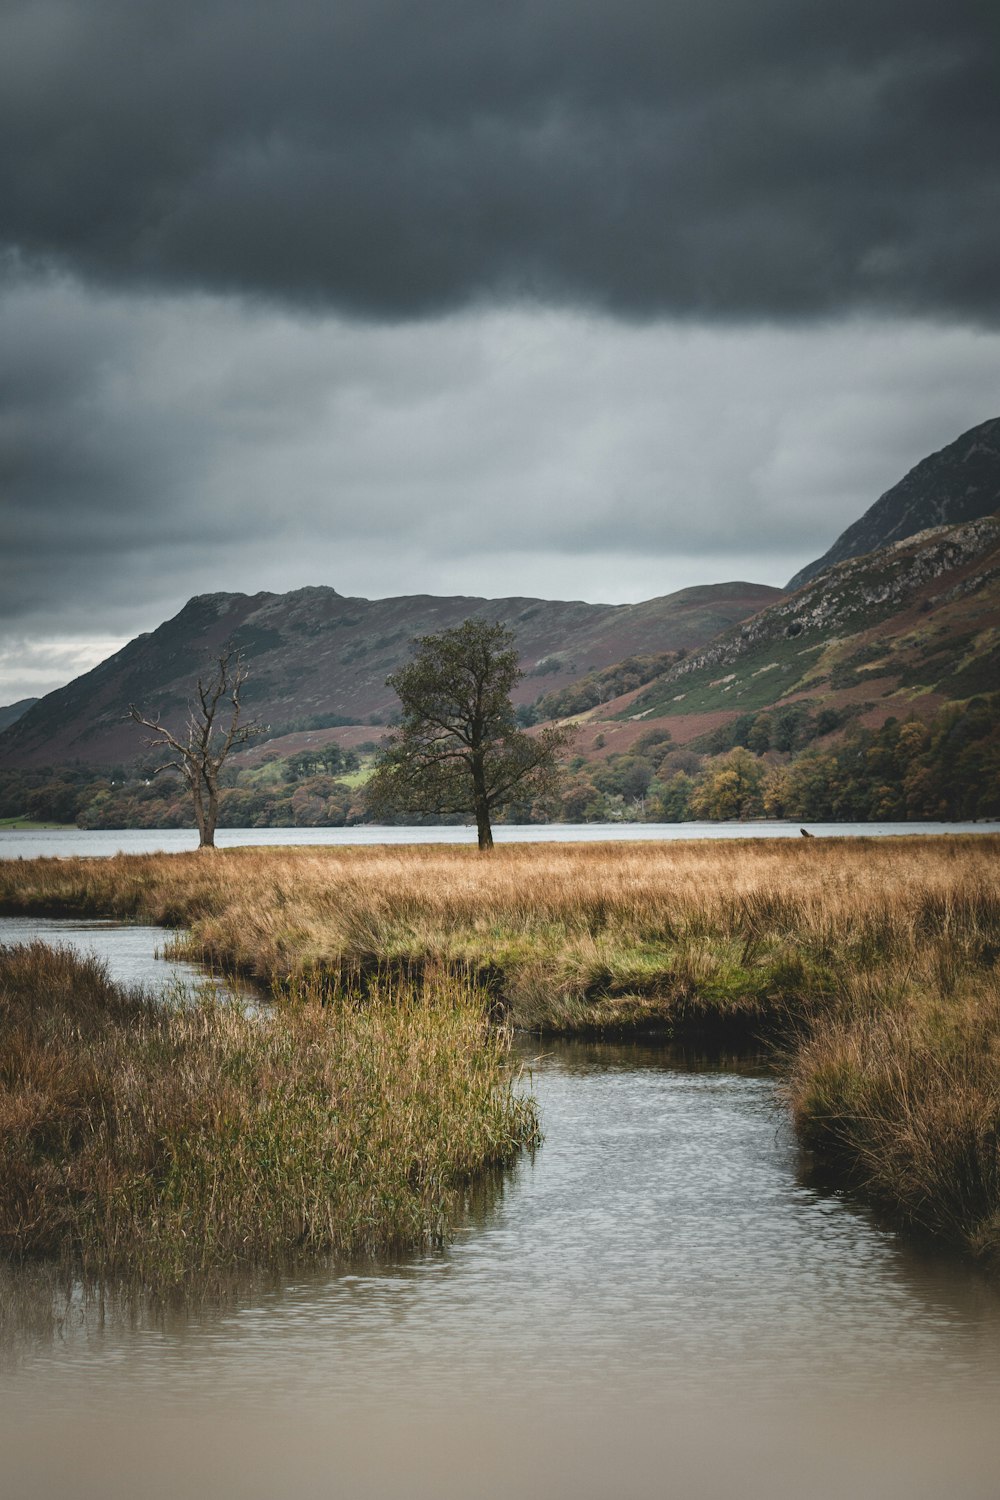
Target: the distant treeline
pixel 813 766
pixel 788 765
pixel 304 790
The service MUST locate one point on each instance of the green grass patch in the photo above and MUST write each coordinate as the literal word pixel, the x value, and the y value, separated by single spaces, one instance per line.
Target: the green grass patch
pixel 31 826
pixel 357 778
pixel 758 679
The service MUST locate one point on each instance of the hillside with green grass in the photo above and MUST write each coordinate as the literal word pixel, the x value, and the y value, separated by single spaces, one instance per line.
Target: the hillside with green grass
pixel 899 631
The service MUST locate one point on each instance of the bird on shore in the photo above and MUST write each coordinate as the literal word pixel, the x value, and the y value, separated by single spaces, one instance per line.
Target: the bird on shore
pixel 806 834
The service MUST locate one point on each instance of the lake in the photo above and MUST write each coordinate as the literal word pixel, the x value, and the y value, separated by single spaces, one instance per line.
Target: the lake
pixel 660 1301
pixel 26 843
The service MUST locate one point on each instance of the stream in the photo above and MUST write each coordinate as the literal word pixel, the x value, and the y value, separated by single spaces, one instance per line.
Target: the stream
pixel 658 1301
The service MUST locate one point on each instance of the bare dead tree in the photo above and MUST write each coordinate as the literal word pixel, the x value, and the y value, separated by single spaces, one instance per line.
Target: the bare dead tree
pixel 213 729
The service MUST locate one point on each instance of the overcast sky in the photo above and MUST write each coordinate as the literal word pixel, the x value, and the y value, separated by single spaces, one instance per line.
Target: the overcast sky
pixel 592 299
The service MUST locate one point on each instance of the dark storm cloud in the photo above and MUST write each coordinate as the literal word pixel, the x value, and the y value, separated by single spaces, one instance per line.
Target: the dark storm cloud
pixel 734 158
pixel 155 447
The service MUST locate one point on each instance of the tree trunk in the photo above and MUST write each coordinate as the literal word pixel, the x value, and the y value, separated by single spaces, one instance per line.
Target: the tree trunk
pixel 209 816
pixel 484 829
pixel 205 813
pixel 206 832
pixel 482 806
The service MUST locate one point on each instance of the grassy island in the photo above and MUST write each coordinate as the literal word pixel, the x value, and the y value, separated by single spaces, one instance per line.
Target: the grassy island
pixel 160 1139
pixel 871 965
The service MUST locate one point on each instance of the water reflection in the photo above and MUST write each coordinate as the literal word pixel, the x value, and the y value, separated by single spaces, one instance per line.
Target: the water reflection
pixel 660 1240
pixel 657 1053
pixel 659 1301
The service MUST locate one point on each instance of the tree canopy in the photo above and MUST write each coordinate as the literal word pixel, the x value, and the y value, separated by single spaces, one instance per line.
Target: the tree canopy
pixel 459 748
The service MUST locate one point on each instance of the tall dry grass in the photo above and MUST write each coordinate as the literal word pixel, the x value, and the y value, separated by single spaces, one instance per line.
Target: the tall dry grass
pixel 571 936
pixel 874 962
pixel 162 1139
pixel 904 1099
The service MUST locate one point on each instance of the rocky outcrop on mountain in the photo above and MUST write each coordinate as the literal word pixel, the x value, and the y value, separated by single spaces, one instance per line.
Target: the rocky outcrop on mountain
pixel 862 590
pixel 960 483
pixel 922 612
pixel 318 659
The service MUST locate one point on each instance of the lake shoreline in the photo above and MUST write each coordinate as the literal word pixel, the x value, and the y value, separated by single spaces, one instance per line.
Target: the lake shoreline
pixel 71 842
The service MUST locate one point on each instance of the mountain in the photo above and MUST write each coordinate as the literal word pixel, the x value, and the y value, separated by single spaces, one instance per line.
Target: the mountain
pixel 319 659
pixel 901 630
pixel 961 483
pixel 14 711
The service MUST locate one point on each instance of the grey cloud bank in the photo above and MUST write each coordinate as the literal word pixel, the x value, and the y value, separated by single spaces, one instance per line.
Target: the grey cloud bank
pixel 160 447
pixel 587 300
pixel 730 159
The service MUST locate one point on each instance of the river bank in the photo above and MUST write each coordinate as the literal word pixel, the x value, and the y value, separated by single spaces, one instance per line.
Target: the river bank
pixel 569 938
pixel 872 963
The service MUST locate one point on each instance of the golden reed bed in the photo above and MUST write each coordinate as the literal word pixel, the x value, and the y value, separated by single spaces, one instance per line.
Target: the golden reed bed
pixel 873 962
pixel 567 916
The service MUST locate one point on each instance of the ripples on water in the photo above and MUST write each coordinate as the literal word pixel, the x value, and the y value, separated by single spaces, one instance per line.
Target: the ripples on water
pixel 655 1303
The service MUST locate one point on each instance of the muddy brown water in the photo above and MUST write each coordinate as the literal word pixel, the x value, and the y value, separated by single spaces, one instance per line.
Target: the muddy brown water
pixel 657 1302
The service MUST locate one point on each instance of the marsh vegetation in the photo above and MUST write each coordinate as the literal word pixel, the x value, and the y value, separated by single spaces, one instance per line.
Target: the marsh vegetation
pixel 869 965
pixel 161 1138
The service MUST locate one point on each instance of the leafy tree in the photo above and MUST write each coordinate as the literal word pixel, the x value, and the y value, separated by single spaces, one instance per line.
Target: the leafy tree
pixel 330 759
pixel 626 776
pixel 729 788
pixel 56 802
pixel 759 737
pixel 672 797
pixel 654 744
pixel 808 786
pixel 458 748
pixel 775 791
pixel 207 740
pixel 788 728
pixel 578 799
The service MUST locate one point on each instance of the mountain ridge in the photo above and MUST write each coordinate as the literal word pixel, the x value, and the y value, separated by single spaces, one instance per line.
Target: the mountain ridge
pixel 960 482
pixel 11 712
pixel 318 655
pixel 902 627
